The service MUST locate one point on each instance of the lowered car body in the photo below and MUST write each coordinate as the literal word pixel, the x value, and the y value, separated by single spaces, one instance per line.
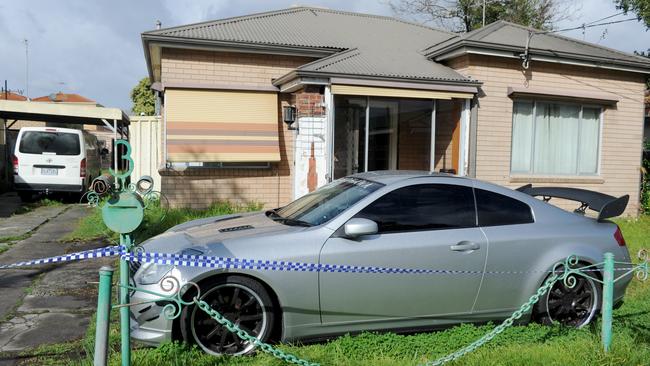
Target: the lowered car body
pixel 421 221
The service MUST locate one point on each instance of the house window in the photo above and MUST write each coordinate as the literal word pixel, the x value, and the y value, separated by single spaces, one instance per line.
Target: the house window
pixel 555 138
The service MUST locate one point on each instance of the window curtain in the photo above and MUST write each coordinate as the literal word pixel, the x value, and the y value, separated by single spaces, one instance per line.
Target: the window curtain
pixel 522 132
pixel 589 141
pixel 555 139
pixel 556 135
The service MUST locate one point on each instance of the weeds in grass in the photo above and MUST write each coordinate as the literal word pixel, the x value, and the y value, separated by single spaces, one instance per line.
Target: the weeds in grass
pixel 29 207
pixel 157 219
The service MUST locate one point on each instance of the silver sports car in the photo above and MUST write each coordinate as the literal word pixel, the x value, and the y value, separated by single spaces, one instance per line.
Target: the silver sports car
pixel 501 243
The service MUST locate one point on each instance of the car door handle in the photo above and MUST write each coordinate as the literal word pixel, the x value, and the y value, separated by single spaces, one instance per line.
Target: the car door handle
pixel 465 246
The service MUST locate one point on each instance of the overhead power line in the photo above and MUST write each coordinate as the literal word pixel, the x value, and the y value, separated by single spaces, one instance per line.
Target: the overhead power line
pixel 584 26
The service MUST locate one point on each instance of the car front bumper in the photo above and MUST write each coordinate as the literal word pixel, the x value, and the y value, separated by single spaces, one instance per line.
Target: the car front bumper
pixel 149 324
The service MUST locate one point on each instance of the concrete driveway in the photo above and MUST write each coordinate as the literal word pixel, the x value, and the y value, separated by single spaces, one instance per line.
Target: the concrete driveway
pixel 45 304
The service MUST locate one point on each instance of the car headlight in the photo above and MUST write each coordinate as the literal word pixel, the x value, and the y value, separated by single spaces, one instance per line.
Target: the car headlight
pixel 152 273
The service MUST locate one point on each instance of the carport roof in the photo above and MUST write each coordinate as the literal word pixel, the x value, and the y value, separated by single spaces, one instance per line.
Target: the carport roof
pixel 61 113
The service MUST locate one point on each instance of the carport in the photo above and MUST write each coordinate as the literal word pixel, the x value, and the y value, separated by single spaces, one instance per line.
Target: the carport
pixel 112 118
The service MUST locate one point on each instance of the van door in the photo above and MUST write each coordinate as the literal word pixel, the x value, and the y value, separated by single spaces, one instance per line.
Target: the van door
pixel 48 157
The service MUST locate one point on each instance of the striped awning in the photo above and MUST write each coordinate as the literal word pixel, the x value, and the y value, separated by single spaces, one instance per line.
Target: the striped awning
pixel 221 126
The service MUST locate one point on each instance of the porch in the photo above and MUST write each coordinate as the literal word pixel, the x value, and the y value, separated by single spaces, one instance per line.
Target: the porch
pixel 397 133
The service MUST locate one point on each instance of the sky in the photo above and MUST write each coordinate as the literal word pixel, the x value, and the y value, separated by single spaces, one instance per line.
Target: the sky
pixel 93 47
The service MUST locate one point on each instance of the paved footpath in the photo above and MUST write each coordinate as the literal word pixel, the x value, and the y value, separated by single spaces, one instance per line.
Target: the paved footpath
pixel 51 303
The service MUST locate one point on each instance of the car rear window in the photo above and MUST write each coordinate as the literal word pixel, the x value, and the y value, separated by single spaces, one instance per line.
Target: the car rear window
pixel 59 143
pixel 496 209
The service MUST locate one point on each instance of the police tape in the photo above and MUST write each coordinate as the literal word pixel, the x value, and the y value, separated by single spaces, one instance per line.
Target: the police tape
pixel 203 261
pixel 86 254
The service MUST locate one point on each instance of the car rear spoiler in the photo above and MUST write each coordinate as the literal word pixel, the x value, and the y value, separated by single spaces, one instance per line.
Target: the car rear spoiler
pixel 607 206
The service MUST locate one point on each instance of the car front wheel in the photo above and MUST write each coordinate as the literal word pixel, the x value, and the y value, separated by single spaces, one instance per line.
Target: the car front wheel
pixel 243 301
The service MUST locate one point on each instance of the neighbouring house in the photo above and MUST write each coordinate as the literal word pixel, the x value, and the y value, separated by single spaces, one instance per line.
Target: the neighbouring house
pixel 267 107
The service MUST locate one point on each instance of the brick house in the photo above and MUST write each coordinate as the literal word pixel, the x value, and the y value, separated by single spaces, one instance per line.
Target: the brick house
pixel 269 106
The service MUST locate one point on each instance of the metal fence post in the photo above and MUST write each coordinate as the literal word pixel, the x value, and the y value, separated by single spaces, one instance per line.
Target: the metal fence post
pixel 125 321
pixel 608 299
pixel 103 316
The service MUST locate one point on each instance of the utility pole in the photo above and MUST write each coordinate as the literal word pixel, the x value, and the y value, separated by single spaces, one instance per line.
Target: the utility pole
pixel 26 67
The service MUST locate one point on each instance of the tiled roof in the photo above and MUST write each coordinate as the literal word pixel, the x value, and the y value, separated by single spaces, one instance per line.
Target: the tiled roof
pixel 367 44
pixel 63 98
pixel 11 96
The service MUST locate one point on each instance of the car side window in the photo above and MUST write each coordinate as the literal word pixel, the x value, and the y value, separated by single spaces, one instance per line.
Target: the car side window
pixel 496 209
pixel 423 207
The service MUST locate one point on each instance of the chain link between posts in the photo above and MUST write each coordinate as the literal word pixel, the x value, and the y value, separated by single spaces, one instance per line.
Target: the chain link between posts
pixel 242 334
pixel 525 308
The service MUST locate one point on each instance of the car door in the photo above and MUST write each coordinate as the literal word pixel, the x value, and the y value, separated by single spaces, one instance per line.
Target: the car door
pixel 515 249
pixel 423 226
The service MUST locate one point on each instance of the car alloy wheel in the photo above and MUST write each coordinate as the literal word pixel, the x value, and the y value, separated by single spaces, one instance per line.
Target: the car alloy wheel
pixel 240 300
pixel 573 306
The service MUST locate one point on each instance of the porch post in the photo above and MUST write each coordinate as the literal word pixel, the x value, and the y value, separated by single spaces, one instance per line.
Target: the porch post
pixel 464 139
pixel 432 154
pixel 365 145
pixel 329 128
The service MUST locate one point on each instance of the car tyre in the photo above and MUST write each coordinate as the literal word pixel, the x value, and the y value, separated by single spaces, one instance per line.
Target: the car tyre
pixel 241 300
pixel 576 306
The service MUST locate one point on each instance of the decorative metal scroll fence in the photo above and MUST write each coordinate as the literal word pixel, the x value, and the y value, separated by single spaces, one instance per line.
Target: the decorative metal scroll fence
pixel 123 208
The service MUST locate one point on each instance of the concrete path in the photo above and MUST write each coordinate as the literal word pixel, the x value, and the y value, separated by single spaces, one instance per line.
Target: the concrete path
pixel 23 224
pixel 47 304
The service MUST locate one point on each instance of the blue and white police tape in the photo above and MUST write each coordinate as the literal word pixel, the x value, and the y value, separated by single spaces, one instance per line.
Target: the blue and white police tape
pixel 86 254
pixel 203 261
pixel 191 260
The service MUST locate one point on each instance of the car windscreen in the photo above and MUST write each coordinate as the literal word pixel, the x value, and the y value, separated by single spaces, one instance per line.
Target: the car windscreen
pixel 328 201
pixel 59 143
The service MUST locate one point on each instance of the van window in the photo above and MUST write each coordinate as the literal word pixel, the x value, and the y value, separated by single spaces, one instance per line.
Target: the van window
pixel 59 143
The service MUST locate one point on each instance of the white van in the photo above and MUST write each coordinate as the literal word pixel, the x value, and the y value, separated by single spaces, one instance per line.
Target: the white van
pixel 50 159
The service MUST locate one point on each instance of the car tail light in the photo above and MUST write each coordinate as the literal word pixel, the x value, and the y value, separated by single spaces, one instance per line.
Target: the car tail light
pixel 14 162
pixel 82 168
pixel 618 235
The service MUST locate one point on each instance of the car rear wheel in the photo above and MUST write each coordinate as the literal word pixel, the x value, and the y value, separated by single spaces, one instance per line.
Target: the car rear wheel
pixel 243 301
pixel 575 306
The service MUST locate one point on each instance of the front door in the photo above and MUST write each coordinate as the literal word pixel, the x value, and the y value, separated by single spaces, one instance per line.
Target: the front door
pixel 423 226
pixel 382 135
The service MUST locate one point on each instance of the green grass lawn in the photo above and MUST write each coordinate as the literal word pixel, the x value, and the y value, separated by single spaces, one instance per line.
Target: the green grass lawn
pixel 533 344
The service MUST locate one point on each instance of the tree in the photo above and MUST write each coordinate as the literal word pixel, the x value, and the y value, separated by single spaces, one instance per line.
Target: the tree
pixel 640 7
pixel 143 98
pixel 467 15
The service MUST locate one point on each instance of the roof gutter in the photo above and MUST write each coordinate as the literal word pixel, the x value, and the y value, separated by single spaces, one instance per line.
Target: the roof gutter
pixel 370 80
pixel 149 41
pixel 479 48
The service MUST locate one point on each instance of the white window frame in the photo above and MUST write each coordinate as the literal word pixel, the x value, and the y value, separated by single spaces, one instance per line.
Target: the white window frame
pixel 532 154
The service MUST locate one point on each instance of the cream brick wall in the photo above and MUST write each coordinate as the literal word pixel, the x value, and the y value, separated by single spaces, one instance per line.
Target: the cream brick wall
pixel 622 127
pixel 198 188
pixel 241 69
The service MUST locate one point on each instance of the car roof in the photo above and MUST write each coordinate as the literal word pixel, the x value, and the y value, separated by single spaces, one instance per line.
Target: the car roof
pixel 392 176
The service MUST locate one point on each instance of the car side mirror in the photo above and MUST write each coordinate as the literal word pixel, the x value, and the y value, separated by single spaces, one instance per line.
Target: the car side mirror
pixel 358 227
